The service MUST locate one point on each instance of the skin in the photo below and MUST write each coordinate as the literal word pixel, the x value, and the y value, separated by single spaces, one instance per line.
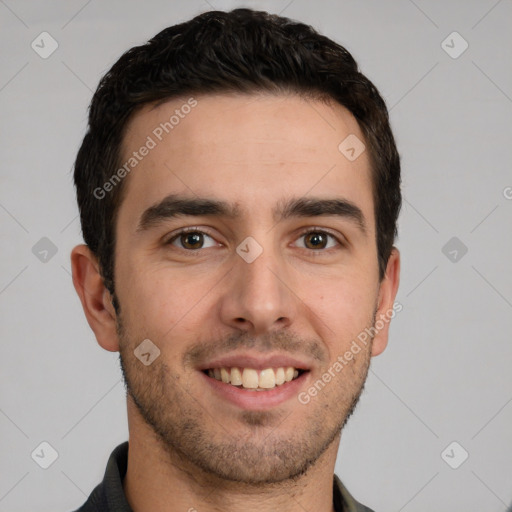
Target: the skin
pixel 189 448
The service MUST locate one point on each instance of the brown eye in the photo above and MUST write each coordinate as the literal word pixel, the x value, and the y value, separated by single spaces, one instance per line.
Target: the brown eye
pixel 192 240
pixel 315 240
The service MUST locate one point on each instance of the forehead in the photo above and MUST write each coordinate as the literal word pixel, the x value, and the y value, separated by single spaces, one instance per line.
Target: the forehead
pixel 254 148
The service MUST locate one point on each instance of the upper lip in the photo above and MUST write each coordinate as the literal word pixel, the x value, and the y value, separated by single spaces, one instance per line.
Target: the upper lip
pixel 256 362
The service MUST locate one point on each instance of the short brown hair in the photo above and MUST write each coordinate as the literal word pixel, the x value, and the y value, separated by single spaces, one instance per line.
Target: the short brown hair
pixel 238 51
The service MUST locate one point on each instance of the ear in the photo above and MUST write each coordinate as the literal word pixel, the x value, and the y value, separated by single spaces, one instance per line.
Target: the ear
pixel 386 309
pixel 96 299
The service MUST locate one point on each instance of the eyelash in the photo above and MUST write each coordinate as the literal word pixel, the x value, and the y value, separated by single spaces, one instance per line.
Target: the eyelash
pixel 307 231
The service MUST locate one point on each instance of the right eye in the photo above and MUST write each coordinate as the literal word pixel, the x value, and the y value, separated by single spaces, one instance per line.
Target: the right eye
pixel 191 239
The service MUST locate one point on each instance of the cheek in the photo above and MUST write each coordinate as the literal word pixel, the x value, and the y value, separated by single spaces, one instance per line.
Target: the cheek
pixel 345 309
pixel 161 303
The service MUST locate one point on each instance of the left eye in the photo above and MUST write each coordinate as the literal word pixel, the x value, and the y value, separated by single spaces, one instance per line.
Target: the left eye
pixel 318 240
pixel 191 240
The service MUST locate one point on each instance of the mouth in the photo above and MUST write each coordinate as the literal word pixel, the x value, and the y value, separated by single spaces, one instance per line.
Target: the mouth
pixel 254 382
pixel 252 379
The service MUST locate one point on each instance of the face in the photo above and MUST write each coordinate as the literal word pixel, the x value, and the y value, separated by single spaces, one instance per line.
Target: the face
pixel 277 268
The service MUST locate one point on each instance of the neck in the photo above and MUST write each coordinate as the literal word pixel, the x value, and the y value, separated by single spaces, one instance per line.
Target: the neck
pixel 161 480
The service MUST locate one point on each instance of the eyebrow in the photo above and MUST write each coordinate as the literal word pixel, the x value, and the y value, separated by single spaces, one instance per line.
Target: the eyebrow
pixel 317 207
pixel 175 205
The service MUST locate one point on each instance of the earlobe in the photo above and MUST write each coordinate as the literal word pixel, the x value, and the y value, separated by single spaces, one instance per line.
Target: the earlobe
pixel 385 311
pixel 95 298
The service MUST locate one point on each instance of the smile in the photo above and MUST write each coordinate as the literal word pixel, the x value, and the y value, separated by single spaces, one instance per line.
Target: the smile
pixel 252 379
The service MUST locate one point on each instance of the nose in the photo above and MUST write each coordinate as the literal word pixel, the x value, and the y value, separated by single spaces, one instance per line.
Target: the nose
pixel 259 295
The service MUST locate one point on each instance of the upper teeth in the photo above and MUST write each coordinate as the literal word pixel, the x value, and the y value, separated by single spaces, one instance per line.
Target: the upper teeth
pixel 250 378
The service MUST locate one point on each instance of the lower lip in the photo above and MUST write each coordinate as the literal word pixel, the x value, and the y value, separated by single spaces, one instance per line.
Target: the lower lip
pixel 257 400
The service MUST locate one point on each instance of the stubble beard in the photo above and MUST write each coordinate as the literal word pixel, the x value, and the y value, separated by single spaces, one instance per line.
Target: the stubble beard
pixel 260 453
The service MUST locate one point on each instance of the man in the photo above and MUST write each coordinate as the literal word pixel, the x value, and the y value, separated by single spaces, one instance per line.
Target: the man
pixel 239 188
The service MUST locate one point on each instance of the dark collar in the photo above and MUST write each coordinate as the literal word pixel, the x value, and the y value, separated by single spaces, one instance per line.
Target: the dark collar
pixel 109 495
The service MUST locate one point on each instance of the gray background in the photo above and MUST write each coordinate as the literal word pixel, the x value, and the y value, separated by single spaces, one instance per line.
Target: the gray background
pixel 446 374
